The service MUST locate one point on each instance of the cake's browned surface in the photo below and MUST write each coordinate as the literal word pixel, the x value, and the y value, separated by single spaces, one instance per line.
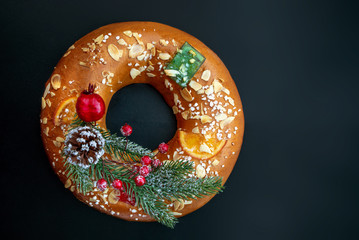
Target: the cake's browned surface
pixel 120 54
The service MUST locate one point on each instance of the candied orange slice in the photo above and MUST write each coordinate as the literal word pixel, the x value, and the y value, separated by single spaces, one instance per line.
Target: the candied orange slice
pixel 199 145
pixel 65 112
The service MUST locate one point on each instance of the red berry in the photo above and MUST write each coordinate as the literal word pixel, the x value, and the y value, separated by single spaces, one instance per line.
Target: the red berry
pixel 146 160
pixel 144 171
pixel 156 163
pixel 102 184
pixel 126 130
pixel 136 169
pixel 90 106
pixel 140 180
pixel 163 147
pixel 117 184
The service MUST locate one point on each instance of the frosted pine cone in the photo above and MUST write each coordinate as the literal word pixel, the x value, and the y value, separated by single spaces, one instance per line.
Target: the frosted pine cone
pixel 84 146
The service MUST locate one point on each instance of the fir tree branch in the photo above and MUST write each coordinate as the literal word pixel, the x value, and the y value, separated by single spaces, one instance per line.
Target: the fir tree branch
pixel 79 176
pixel 171 181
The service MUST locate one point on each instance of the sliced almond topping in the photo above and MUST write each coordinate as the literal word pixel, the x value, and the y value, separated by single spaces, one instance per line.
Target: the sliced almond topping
pixel 56 81
pixel 136 50
pixel 85 49
pixel 225 122
pixel 231 101
pixel 167 83
pixel 153 51
pixel 150 75
pixel 43 103
pixel 206 75
pixel 113 197
pixel 201 91
pixel 57 144
pixel 171 72
pixel 134 73
pixel 181 205
pixel 99 39
pixel 164 56
pixel 176 156
pixel 195 130
pixel 209 90
pixel 192 60
pixel 83 64
pixel 195 85
pixel 60 139
pixel 137 37
pixel 215 162
pixel 47 90
pixel 71 47
pixel 186 95
pixel 103 197
pixel 176 205
pixel 122 42
pixel 200 171
pixel 128 33
pixel 44 120
pixel 67 53
pixel 175 109
pixel 114 52
pixel 176 214
pixel 217 86
pixel 163 42
pixel 185 115
pixel 46 131
pixel 205 119
pixel 150 46
pixel 226 91
pixel 48 102
pixel 52 94
pixel 220 117
pixel 175 98
pixel 72 188
pixel 141 57
pixel 186 202
pixel 150 68
pixel 68 183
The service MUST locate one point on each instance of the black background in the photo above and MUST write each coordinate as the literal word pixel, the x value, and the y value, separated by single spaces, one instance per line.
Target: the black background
pixel 295 64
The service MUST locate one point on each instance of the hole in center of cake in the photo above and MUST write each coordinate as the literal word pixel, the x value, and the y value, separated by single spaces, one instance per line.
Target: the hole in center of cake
pixel 142 107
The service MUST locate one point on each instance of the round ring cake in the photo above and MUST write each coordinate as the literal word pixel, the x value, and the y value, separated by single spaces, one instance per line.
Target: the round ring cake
pixel 109 172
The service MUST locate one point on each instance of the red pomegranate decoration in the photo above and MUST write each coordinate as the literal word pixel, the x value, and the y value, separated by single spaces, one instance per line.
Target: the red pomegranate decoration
pixel 90 106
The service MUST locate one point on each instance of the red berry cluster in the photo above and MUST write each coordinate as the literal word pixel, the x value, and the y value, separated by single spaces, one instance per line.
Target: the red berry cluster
pixel 143 170
pixel 102 184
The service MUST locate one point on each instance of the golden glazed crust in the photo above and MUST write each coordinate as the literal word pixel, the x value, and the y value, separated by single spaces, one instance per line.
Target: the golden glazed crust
pixel 112 57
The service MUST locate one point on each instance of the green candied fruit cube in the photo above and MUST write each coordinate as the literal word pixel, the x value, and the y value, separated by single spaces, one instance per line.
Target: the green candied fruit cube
pixel 184 65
